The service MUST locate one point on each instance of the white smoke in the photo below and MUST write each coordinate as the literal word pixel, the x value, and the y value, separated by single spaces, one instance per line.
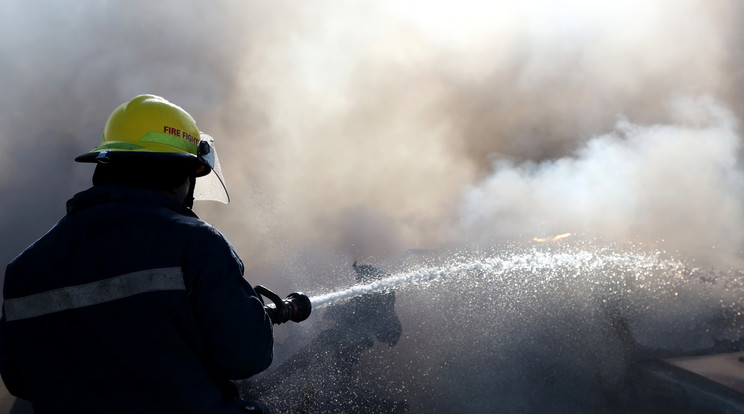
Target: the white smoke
pixel 356 130
pixel 678 183
pixel 327 117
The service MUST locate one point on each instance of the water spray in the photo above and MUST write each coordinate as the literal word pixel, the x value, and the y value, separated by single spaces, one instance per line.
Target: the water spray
pixel 601 310
pixel 536 264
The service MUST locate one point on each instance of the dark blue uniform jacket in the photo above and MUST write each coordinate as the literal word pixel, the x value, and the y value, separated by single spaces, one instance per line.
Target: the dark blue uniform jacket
pixel 130 304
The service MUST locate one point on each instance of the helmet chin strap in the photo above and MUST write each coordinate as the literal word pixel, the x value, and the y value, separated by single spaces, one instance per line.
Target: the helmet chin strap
pixel 188 202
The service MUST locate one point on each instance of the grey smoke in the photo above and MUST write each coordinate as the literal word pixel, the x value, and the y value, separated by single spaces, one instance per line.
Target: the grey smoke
pixel 679 185
pixel 324 113
pixel 359 130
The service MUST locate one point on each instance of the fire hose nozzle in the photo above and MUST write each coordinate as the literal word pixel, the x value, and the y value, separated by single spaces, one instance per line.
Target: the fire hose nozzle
pixel 296 307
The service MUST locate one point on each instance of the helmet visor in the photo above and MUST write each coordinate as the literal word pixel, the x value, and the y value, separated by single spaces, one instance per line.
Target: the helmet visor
pixel 211 186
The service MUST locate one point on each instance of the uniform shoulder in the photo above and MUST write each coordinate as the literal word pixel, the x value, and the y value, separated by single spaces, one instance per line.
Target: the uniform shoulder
pixel 207 239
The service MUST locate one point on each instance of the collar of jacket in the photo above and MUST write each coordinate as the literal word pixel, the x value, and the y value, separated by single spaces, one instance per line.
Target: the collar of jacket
pixel 114 192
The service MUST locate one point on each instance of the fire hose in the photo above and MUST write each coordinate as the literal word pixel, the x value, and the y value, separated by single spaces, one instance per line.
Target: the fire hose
pixel 296 307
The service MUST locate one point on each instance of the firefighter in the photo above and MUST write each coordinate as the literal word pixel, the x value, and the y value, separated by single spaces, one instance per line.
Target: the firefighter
pixel 131 303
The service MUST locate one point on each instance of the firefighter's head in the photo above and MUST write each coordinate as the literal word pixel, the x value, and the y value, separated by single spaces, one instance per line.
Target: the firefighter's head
pixel 150 142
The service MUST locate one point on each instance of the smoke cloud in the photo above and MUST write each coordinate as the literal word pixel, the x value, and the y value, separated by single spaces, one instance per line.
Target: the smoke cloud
pixel 358 130
pixel 678 184
pixel 333 117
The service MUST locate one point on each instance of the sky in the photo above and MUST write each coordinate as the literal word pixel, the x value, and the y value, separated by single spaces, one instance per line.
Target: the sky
pixel 359 130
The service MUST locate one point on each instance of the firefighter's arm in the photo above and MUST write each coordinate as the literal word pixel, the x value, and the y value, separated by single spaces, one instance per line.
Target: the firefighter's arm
pixel 9 367
pixel 237 332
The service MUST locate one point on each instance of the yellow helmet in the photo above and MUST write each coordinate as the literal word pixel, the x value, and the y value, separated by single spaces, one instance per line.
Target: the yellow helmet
pixel 150 126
